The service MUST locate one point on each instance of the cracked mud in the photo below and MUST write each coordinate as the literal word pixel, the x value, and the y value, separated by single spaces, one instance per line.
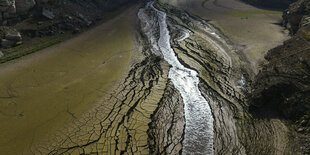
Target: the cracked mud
pixel 145 110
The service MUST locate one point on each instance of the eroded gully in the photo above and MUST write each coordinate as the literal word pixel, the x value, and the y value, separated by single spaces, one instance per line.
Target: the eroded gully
pixel 198 138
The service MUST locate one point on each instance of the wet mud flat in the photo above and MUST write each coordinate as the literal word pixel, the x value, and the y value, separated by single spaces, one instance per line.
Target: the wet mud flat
pixel 43 92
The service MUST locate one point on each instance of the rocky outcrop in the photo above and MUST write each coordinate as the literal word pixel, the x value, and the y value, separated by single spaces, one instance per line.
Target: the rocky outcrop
pixel 46 18
pixel 297 16
pixel 22 6
pixel 282 88
pixel 10 38
pixel 9 8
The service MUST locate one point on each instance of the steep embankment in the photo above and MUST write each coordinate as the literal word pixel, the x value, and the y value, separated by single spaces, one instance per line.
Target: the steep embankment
pixel 281 89
pixel 297 16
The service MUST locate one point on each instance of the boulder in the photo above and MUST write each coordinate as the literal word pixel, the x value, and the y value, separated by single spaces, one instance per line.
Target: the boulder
pixel 48 13
pixel 22 6
pixel 13 36
pixel 85 19
pixel 7 6
pixel 7 43
pixel 305 21
pixel 297 15
pixel 7 9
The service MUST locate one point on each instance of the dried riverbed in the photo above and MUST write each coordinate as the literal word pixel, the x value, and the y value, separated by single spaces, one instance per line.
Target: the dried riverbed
pixel 154 81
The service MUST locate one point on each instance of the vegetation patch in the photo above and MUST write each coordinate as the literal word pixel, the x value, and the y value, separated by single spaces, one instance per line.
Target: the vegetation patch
pixel 32 47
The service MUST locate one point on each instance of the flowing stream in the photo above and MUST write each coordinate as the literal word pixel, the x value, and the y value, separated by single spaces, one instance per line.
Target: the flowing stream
pixel 198 138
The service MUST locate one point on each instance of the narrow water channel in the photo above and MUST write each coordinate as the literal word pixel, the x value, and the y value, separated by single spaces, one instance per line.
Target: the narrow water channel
pixel 198 138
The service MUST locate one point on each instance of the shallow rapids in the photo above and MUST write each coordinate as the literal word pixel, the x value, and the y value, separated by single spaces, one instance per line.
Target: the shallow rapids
pixel 198 138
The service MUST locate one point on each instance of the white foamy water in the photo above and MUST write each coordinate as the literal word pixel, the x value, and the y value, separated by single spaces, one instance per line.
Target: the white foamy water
pixel 198 138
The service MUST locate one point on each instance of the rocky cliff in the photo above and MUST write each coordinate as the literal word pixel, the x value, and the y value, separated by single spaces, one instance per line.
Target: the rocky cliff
pixel 13 8
pixel 297 16
pixel 282 88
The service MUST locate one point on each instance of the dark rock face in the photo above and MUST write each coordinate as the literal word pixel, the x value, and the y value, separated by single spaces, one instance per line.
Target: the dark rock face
pixel 22 6
pixel 284 81
pixel 271 3
pixel 282 88
pixel 9 8
pixel 297 16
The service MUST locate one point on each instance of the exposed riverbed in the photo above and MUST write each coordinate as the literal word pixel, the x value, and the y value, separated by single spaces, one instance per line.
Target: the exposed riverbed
pixel 154 80
pixel 198 137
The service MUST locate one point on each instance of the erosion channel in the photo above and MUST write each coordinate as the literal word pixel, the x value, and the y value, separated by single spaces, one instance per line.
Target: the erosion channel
pixel 198 137
pixel 156 79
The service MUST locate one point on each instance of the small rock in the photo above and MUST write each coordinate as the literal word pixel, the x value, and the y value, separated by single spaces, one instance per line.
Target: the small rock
pixel 18 43
pixel 13 36
pixel 7 43
pixel 76 30
pixel 81 16
pixel 48 14
pixel 303 122
pixel 300 130
pixel 22 6
pixel 68 17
